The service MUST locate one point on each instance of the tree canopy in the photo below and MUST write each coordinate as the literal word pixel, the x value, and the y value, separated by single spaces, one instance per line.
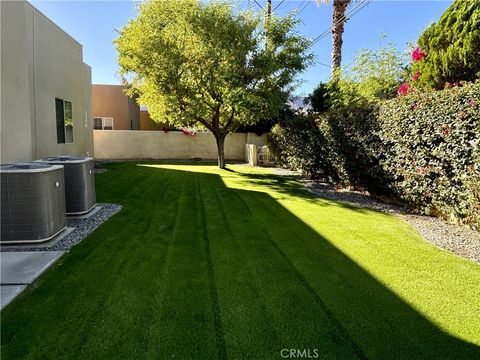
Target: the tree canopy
pixel 378 72
pixel 205 63
pixel 451 47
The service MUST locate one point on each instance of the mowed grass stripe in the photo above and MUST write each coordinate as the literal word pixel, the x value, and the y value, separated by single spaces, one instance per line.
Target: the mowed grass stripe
pixel 204 264
pixel 132 300
pixel 84 286
pixel 243 314
pixel 293 314
pixel 362 304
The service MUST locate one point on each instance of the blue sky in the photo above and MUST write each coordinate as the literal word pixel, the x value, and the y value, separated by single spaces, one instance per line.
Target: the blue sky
pixel 93 24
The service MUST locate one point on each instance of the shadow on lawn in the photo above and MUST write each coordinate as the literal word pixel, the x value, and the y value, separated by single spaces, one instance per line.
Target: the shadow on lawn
pixel 365 316
pixel 245 279
pixel 291 186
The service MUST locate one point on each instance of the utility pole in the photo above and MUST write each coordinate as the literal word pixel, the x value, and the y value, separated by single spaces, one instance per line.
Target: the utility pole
pixel 268 15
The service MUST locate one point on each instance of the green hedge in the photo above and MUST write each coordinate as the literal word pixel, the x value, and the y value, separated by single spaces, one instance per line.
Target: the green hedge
pixel 339 145
pixel 299 144
pixel 422 148
pixel 429 146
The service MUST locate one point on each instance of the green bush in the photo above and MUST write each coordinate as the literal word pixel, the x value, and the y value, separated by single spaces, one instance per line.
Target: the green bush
pixel 429 147
pixel 298 143
pixel 319 98
pixel 452 47
pixel 337 145
pixel 423 148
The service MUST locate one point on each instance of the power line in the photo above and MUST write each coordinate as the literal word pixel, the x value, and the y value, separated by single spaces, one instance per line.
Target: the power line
pixel 323 64
pixel 344 18
pixel 304 7
pixel 348 16
pixel 261 7
pixel 275 8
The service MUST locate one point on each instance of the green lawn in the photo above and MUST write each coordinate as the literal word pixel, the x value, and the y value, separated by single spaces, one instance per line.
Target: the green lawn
pixel 204 264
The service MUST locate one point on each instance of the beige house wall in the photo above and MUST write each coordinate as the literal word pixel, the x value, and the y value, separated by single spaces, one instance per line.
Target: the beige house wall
pixel 16 126
pixel 118 144
pixel 111 101
pixel 40 62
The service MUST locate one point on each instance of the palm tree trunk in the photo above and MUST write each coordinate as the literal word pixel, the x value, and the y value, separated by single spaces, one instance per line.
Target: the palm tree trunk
pixel 339 9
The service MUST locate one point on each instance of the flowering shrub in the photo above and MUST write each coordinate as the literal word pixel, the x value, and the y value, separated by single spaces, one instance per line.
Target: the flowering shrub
pixel 403 89
pixel 448 50
pixel 430 148
pixel 423 148
pixel 416 76
pixel 188 132
pixel 418 54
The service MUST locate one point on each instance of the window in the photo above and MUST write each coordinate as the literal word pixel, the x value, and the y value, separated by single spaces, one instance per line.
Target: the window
pixel 103 123
pixel 64 120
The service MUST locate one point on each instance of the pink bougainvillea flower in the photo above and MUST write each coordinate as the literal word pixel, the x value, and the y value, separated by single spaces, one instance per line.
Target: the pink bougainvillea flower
pixel 416 76
pixel 403 89
pixel 471 102
pixel 418 54
pixel 188 132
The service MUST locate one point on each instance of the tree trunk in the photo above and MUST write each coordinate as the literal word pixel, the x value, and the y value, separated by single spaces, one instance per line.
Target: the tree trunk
pixel 221 152
pixel 339 9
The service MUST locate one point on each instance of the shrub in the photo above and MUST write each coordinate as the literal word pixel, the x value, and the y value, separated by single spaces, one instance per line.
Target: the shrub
pixel 319 98
pixel 430 149
pixel 337 145
pixel 423 148
pixel 351 129
pixel 451 47
pixel 298 143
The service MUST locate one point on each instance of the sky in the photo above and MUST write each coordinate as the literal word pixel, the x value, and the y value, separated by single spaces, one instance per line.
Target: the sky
pixel 94 24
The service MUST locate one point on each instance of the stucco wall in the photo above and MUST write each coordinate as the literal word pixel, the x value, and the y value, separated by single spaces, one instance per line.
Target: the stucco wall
pixel 111 101
pixel 146 123
pixel 16 127
pixel 121 144
pixel 40 62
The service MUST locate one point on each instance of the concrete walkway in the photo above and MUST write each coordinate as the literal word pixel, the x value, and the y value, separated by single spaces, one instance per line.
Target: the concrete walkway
pixel 19 269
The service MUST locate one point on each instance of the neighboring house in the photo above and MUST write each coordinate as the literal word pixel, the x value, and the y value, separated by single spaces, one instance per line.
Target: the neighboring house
pixel 113 110
pixel 46 88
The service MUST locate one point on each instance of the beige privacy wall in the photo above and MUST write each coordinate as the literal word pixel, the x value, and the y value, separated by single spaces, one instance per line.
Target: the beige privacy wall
pixel 125 144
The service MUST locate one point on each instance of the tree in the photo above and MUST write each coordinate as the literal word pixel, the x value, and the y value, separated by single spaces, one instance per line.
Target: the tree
pixel 450 48
pixel 338 27
pixel 204 63
pixel 319 98
pixel 378 72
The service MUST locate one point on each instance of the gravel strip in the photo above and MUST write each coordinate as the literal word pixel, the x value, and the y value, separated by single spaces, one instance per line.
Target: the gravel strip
pixel 357 198
pixel 83 227
pixel 457 239
pixel 285 172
